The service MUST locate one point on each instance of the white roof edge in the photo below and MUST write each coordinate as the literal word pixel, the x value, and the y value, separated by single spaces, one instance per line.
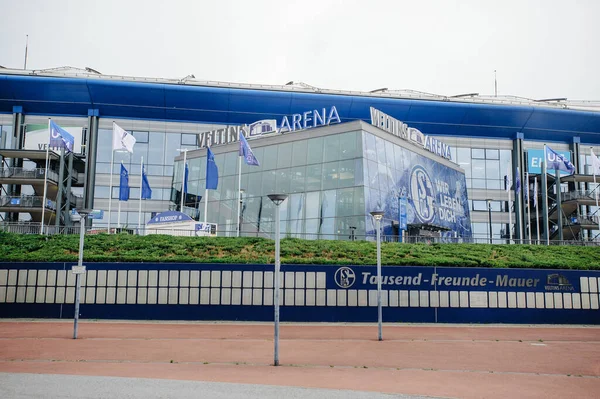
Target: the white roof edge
pixel 72 72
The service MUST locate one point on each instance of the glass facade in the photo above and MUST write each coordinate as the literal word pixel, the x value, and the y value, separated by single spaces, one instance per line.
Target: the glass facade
pixel 333 182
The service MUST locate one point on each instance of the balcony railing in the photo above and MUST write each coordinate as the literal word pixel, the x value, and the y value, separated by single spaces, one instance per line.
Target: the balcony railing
pixel 22 173
pixel 26 201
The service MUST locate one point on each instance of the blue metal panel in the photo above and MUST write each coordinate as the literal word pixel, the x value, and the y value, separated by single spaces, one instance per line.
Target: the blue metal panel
pixel 496 115
pixel 555 119
pixel 252 105
pixel 47 90
pixel 302 102
pixel 437 112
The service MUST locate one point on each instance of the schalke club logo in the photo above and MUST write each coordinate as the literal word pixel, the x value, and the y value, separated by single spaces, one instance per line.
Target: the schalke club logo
pixel 422 194
pixel 345 277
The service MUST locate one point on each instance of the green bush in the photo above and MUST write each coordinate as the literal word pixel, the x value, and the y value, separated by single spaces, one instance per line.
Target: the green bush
pixel 162 248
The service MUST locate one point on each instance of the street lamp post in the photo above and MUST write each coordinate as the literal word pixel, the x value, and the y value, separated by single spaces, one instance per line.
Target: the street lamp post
pixel 79 269
pixel 378 215
pixel 489 204
pixel 277 200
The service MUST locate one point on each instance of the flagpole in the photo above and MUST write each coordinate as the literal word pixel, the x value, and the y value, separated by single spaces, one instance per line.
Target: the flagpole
pixel 545 195
pixel 112 159
pixel 119 211
pixel 205 205
pixel 594 167
pixel 508 176
pixel 183 179
pixel 537 213
pixel 140 204
pixel 519 221
pixel 528 210
pixel 45 178
pixel 239 193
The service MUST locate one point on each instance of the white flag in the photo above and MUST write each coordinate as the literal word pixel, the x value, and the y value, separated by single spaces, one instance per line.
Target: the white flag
pixel 122 141
pixel 595 164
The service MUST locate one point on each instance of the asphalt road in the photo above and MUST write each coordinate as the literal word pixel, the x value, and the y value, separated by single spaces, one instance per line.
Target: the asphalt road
pixel 21 386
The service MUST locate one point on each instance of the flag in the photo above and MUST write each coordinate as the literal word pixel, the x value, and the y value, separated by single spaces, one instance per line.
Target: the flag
pixel 507 180
pixel 212 172
pixel 146 190
pixel 246 151
pixel 122 141
pixel 185 179
pixel 595 164
pixel 124 184
pixel 527 191
pixel 535 192
pixel 517 181
pixel 554 160
pixel 60 138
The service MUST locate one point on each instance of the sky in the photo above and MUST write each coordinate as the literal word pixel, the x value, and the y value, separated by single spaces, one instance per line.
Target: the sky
pixel 540 49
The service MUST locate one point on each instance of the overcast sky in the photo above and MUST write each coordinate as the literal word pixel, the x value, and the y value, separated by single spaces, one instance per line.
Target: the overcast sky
pixel 540 49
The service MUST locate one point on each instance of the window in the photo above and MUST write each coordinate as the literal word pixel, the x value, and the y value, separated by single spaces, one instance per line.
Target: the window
pixel 140 137
pixel 477 153
pixel 189 139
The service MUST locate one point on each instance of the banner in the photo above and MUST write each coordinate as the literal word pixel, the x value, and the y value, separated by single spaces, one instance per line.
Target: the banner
pixel 36 138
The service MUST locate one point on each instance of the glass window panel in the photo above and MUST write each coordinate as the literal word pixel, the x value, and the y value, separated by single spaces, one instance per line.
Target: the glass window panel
pixel 171 145
pixel 156 148
pixel 315 151
pixel 492 169
pixel 359 201
pixel 254 184
pixel 380 148
pixel 373 181
pixel 102 167
pixel 284 156
pixel 228 186
pixel 505 160
pixel 168 171
pixel 478 153
pixel 101 192
pixel 494 184
pixel 298 179
pixel 464 160
pixel 478 183
pixel 389 155
pixel 492 154
pixel 269 160
pixel 314 176
pixel 345 202
pixel 299 149
pixel 398 158
pixel 346 173
pixel 332 148
pixel 140 137
pixel 370 148
pixel 330 175
pixel 478 169
pixel 189 139
pixel 296 211
pixel 350 145
pixel 154 170
pixel 479 205
pixel 269 182
pixel 284 181
pixel 230 162
pixel 312 205
pixel 103 151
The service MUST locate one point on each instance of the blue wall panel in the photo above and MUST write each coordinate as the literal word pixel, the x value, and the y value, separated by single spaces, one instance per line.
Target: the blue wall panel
pixel 309 293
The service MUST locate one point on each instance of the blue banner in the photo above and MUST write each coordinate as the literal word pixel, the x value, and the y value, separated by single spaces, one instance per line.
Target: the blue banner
pixel 535 158
pixel 212 171
pixel 124 184
pixel 146 190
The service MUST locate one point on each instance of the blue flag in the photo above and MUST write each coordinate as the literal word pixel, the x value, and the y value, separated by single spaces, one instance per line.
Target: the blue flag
pixel 212 172
pixel 554 160
pixel 146 190
pixel 185 179
pixel 517 181
pixel 124 184
pixel 60 138
pixel 246 151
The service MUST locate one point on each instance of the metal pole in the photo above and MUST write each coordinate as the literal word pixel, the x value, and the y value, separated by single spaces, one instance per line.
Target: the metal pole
pixel 183 180
pixel 379 313
pixel 78 275
pixel 489 203
pixel 276 285
pixel 239 210
pixel 537 212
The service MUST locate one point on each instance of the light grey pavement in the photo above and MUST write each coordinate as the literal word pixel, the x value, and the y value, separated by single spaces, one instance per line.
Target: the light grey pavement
pixel 27 386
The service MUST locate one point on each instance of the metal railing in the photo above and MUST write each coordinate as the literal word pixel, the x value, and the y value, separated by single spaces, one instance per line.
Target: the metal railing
pixel 22 173
pixel 26 201
pixel 581 194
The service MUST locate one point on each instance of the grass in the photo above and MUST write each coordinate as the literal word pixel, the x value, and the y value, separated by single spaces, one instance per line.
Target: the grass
pixel 162 248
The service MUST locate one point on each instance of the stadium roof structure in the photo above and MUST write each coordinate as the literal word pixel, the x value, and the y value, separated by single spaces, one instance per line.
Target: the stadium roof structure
pixel 72 91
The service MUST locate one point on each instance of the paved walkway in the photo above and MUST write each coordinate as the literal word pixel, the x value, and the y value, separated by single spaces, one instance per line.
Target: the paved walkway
pixel 442 361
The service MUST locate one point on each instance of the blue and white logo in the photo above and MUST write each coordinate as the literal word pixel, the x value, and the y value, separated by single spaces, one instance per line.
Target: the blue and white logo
pixel 422 194
pixel 345 277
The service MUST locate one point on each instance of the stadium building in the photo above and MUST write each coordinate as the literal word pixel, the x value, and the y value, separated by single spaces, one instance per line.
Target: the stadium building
pixel 435 165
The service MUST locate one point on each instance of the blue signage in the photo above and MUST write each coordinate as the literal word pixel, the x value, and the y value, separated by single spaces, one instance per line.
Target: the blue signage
pixel 170 217
pixel 535 158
